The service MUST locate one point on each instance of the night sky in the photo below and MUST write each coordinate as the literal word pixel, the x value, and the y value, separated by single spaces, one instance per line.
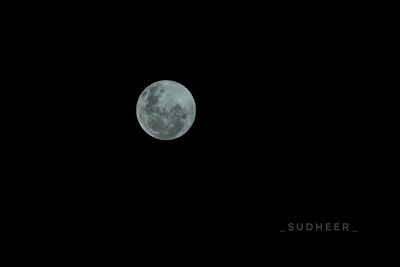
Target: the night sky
pixel 278 137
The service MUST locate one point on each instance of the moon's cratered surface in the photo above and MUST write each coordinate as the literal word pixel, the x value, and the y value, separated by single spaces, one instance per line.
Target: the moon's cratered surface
pixel 166 110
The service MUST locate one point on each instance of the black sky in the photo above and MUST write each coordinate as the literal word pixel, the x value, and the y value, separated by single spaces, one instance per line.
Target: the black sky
pixel 278 136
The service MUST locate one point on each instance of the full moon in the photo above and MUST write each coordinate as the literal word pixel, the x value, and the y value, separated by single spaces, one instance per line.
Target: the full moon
pixel 166 110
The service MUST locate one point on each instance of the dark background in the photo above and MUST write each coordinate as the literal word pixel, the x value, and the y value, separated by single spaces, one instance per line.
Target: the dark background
pixel 279 135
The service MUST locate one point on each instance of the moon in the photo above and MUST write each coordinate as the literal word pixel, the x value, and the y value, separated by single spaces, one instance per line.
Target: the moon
pixel 166 110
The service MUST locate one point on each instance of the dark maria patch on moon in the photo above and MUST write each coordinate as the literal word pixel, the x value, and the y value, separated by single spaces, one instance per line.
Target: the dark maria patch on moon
pixel 152 100
pixel 156 124
pixel 153 89
pixel 176 123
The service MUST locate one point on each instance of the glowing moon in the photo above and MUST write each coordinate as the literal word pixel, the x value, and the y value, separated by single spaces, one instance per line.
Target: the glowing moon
pixel 166 110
